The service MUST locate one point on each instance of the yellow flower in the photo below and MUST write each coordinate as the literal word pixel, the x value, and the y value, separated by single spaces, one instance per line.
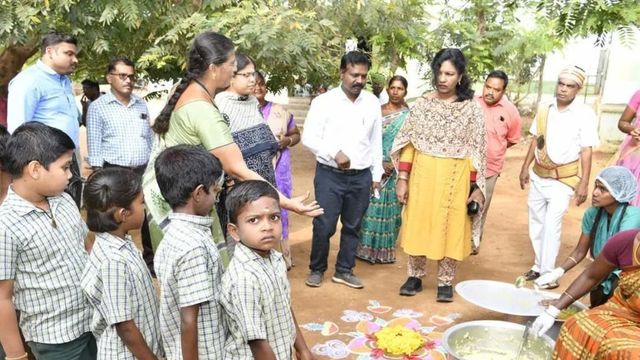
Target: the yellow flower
pixel 398 340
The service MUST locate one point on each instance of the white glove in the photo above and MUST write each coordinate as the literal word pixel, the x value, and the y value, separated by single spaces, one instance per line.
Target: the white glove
pixel 549 277
pixel 545 321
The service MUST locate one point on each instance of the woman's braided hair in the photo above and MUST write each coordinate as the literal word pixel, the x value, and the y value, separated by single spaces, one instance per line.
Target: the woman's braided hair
pixel 208 48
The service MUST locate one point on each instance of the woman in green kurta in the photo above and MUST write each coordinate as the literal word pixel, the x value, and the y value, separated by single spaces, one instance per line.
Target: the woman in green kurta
pixel 191 117
pixel 381 223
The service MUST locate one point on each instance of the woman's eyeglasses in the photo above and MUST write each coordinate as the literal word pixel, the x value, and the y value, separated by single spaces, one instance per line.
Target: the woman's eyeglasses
pixel 124 77
pixel 247 75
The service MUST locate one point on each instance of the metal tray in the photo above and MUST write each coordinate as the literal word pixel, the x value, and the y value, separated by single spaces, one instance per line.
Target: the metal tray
pixel 505 298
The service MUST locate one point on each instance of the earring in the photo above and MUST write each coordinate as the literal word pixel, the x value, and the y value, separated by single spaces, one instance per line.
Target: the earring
pixel 459 81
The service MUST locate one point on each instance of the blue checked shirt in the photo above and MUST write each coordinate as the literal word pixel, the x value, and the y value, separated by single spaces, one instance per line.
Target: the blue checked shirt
pixel 256 298
pixel 45 263
pixel 118 134
pixel 189 270
pixel 40 94
pixel 118 284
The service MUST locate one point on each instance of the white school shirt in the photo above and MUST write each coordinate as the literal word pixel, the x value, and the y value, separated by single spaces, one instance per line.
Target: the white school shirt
pixel 335 123
pixel 568 131
pixel 189 271
pixel 45 262
pixel 118 285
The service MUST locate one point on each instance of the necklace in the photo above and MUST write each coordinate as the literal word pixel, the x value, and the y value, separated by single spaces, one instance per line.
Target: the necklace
pixel 204 88
pixel 50 215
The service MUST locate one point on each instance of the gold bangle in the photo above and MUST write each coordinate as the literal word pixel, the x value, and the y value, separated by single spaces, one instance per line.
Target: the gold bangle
pixel 570 296
pixel 572 259
pixel 403 178
pixel 24 356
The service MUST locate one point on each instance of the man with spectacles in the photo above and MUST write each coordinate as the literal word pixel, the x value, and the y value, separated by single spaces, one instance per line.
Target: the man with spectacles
pixel 119 133
pixel 564 133
pixel 43 93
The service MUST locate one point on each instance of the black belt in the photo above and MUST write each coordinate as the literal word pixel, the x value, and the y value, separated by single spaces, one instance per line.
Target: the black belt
pixel 342 171
pixel 137 169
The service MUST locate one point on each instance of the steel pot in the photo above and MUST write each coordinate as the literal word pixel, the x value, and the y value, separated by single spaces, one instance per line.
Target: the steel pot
pixel 493 340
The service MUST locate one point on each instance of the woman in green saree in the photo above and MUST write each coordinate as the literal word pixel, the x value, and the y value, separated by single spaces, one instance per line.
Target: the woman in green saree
pixel 381 222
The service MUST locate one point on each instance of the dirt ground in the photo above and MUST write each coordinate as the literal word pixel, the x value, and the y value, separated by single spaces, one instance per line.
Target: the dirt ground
pixel 505 253
pixel 329 314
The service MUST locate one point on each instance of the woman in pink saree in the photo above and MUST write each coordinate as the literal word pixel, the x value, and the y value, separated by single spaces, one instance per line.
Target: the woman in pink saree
pixel 629 123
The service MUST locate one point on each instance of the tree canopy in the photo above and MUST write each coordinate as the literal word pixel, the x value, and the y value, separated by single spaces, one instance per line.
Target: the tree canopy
pixel 593 17
pixel 300 41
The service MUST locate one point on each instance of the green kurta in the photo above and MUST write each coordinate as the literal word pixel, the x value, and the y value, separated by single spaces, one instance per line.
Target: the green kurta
pixel 197 122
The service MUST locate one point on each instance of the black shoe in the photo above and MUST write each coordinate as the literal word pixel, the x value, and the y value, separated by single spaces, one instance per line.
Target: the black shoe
pixel 412 286
pixel 531 275
pixel 445 294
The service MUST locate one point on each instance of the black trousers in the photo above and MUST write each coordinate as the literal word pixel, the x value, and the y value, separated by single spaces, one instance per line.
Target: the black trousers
pixel 145 234
pixel 343 194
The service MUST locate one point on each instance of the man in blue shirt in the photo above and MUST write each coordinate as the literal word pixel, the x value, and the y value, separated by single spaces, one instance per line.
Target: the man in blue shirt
pixel 43 93
pixel 119 133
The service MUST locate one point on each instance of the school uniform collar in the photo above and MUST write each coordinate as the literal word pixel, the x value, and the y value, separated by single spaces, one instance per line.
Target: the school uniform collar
pixel 244 254
pixel 114 241
pixel 203 222
pixel 23 207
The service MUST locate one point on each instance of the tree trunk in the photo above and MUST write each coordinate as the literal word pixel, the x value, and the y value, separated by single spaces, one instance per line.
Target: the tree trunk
pixel 12 58
pixel 540 80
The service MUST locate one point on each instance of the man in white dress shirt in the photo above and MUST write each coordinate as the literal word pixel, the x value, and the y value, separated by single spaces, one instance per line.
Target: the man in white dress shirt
pixel 343 129
pixel 564 133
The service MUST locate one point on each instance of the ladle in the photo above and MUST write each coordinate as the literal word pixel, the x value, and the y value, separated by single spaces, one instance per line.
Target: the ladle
pixel 525 337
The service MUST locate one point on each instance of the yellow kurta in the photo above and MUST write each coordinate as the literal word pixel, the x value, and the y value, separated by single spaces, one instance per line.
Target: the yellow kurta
pixel 441 140
pixel 435 223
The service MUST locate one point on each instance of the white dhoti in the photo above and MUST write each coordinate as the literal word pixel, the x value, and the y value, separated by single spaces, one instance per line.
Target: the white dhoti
pixel 548 202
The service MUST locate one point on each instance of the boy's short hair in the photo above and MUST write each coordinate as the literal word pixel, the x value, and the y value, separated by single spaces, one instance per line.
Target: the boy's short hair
pixel 181 169
pixel 34 141
pixel 106 191
pixel 4 137
pixel 246 192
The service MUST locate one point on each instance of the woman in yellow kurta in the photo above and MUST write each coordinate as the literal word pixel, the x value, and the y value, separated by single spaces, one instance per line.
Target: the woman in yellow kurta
pixel 444 130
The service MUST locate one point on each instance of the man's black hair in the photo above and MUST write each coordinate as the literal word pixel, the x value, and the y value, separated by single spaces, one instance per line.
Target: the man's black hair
pixel 499 74
pixel 4 137
pixel 246 192
pixel 119 60
pixel 354 57
pixel 55 38
pixel 34 141
pixel 90 84
pixel 181 169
